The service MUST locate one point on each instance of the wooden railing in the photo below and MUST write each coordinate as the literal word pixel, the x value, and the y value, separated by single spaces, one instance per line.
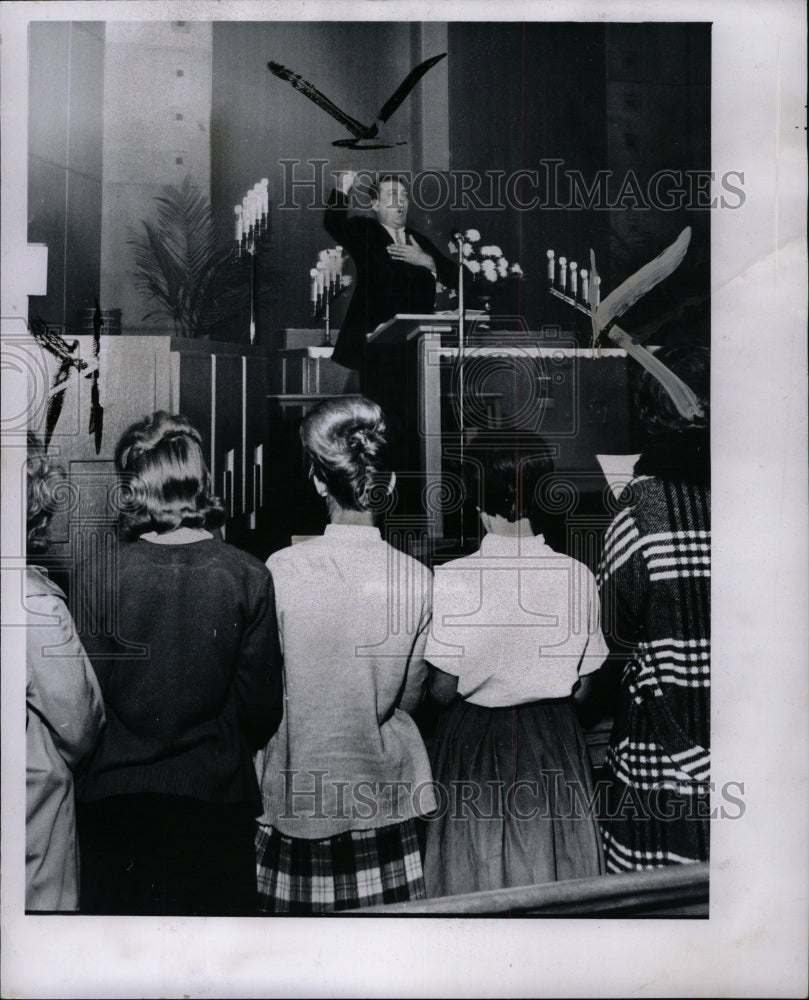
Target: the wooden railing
pixel 673 891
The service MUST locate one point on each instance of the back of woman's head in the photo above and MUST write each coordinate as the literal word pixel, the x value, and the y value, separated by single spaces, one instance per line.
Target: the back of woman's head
pixel 44 479
pixel 346 444
pixel 690 362
pixel 167 483
pixel 504 478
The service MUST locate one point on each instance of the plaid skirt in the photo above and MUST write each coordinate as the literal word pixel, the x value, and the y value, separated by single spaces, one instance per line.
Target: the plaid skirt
pixel 352 869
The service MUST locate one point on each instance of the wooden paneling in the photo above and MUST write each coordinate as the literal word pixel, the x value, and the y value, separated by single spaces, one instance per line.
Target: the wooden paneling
pixel 65 113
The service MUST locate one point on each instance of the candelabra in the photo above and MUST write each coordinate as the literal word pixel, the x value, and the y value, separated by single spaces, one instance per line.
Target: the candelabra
pixel 576 286
pixel 564 285
pixel 252 222
pixel 328 281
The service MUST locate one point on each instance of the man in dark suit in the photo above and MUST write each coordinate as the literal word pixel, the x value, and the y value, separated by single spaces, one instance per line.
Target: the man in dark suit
pixel 396 272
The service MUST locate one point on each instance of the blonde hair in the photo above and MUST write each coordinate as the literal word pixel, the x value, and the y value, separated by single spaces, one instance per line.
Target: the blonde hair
pixel 346 443
pixel 44 478
pixel 167 482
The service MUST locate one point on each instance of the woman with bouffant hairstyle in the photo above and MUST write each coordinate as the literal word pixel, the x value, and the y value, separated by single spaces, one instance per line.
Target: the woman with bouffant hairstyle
pixel 64 710
pixel 166 480
pixel 183 637
pixel 346 775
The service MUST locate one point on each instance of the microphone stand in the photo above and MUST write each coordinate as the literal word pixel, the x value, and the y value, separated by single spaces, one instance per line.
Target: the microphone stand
pixel 461 349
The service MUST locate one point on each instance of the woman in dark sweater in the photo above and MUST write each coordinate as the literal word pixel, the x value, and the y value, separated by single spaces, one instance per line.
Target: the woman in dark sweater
pixel 181 630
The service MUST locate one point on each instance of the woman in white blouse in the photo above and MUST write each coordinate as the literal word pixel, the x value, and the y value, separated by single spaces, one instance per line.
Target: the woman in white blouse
pixel 515 631
pixel 347 773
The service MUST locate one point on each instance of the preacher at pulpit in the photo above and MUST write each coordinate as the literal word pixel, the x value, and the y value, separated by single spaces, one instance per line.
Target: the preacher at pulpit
pixel 396 272
pixel 396 267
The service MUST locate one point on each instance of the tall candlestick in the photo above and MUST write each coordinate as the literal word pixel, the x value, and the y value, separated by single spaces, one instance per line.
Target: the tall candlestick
pixel 238 210
pixel 596 292
pixel 563 273
pixel 550 266
pixel 574 279
pixel 585 285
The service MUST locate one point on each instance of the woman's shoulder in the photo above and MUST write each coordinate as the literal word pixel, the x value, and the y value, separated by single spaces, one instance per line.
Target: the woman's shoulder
pixel 39 584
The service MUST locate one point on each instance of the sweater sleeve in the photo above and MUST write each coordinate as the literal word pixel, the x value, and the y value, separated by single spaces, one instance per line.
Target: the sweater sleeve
pixel 61 686
pixel 622 583
pixel 258 680
pixel 416 679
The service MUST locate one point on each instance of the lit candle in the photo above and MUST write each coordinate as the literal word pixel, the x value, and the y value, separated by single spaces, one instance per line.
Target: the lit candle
pixel 265 196
pixel 574 279
pixel 238 211
pixel 596 292
pixel 563 273
pixel 313 276
pixel 550 266
pixel 585 284
pixel 321 277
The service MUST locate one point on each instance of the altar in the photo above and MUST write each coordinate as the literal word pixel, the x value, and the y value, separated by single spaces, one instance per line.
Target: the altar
pixel 495 386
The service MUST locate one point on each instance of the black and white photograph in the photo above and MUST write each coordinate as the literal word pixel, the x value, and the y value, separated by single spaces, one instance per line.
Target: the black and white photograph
pixel 404 499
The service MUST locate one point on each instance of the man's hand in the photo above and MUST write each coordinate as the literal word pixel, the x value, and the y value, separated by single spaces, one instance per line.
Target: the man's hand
pixel 345 180
pixel 411 253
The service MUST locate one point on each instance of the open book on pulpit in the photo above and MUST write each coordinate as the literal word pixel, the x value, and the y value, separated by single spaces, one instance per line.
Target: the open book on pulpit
pixel 406 326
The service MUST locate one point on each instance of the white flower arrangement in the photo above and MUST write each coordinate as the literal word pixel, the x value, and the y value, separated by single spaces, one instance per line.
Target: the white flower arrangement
pixel 486 262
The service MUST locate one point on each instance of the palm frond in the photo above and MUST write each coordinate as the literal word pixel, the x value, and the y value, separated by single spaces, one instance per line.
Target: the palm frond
pixel 182 270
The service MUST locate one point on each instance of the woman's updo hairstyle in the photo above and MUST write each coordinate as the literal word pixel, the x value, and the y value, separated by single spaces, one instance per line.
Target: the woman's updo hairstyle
pixel 346 444
pixel 165 483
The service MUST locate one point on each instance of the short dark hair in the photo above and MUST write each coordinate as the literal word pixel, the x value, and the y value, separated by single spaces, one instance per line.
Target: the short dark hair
pixel 390 177
pixel 690 362
pixel 347 447
pixel 167 483
pixel 504 478
pixel 44 479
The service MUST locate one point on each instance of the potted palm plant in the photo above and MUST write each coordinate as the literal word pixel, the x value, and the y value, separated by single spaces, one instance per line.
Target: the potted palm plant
pixel 181 268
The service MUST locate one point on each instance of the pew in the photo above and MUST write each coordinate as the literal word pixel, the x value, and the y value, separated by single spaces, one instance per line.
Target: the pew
pixel 676 891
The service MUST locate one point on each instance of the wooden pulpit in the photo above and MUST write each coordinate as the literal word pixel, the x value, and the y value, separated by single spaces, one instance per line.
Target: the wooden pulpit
pixel 497 385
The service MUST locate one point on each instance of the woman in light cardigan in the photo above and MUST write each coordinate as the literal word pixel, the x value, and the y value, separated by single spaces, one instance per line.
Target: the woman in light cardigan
pixel 347 774
pixel 64 710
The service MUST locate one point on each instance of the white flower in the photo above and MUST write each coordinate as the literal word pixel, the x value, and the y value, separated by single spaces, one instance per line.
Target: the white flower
pixel 502 267
pixel 472 235
pixel 516 269
pixel 487 251
pixel 489 270
pixel 452 247
pixel 467 249
pixel 473 265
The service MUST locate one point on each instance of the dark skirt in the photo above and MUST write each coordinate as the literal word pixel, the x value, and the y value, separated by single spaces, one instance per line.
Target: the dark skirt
pixel 516 801
pixel 344 872
pixel 166 855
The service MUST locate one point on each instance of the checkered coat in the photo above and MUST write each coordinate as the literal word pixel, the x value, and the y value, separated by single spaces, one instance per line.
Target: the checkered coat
pixel 654 580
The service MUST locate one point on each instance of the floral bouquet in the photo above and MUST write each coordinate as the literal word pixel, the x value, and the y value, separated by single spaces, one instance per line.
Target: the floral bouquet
pixel 485 262
pixel 487 266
